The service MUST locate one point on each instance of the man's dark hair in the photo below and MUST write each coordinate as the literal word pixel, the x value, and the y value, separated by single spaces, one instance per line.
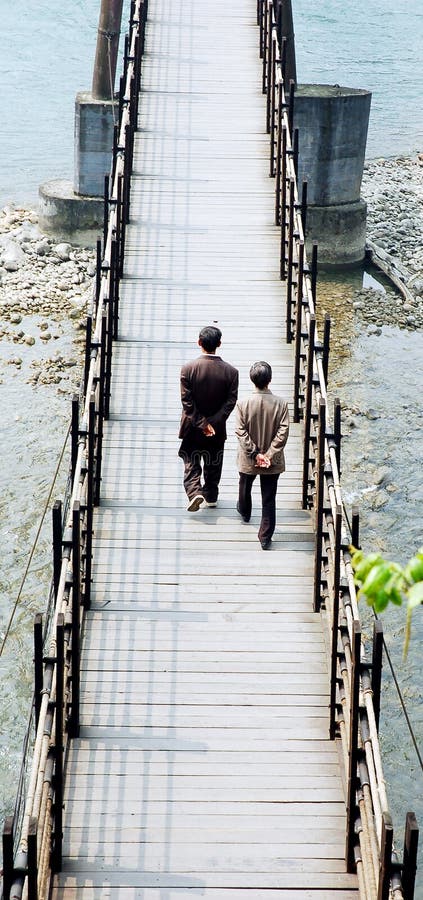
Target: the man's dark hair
pixel 261 374
pixel 209 338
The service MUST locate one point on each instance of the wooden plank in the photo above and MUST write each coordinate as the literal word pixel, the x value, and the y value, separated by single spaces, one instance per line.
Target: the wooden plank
pixel 77 838
pixel 329 878
pixel 87 892
pixel 218 857
pixel 203 764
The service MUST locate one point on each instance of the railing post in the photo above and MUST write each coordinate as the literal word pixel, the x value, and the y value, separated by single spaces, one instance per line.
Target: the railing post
pixel 291 107
pixel 57 544
pixel 265 44
pixel 114 159
pixel 307 408
pixel 337 432
pixel 295 145
pixel 335 624
pixel 313 276
pixel 74 432
pixel 261 7
pixel 385 857
pixel 58 749
pixel 278 164
pixel 283 205
pixel 32 893
pixel 269 80
pixel 38 665
pixel 97 274
pixel 290 280
pixel 273 120
pixel 110 325
pixel 76 605
pixel 304 206
pixel 110 321
pixel 411 841
pixel 355 528
pixel 88 335
pixel 106 206
pixel 101 390
pixel 352 746
pixel 326 346
pixel 320 485
pixel 86 598
pixel 377 657
pixel 7 856
pixel 298 332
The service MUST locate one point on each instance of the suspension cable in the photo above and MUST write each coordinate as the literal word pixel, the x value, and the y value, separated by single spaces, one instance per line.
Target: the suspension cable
pixel 34 545
pixel 402 702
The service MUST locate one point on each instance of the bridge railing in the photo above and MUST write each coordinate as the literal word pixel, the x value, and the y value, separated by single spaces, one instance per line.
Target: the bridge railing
pixel 32 838
pixel 355 680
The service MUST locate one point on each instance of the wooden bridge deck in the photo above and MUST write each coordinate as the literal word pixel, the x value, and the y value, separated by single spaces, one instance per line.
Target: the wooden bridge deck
pixel 203 766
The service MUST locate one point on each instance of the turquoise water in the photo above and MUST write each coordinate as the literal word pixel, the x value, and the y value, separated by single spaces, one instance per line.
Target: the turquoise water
pixel 47 53
pixel 372 44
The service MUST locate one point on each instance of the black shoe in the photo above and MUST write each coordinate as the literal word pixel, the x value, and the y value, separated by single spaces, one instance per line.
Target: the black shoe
pixel 244 518
pixel 195 503
pixel 266 545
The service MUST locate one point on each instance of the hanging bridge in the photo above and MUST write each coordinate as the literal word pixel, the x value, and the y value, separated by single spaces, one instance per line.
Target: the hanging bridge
pixel 206 715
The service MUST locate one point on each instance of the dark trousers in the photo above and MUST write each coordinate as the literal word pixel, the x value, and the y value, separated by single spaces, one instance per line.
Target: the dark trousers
pixel 202 460
pixel 269 486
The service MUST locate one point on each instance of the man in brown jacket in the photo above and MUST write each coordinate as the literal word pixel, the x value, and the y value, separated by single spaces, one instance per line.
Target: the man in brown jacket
pixel 262 431
pixel 209 390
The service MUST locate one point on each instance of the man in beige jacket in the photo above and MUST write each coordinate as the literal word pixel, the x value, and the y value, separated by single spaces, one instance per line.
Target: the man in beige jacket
pixel 262 431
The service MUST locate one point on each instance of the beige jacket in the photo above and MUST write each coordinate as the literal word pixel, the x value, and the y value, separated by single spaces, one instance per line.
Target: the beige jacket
pixel 262 427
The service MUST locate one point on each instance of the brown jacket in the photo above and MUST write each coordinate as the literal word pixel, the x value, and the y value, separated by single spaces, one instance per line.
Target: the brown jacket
pixel 262 427
pixel 209 389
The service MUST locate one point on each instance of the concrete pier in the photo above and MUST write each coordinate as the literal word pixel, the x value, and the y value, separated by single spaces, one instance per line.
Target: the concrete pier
pixel 332 123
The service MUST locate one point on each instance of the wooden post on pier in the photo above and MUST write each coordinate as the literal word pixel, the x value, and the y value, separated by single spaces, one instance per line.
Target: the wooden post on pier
pixel 285 24
pixel 107 49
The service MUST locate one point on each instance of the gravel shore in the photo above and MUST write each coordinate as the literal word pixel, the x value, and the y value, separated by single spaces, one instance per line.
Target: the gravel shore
pixel 45 283
pixel 45 286
pixel 393 189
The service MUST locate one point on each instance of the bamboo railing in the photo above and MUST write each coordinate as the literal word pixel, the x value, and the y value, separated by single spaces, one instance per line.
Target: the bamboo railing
pixel 32 838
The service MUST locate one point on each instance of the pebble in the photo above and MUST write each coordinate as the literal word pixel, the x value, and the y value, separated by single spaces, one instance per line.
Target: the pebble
pixel 379 501
pixel 63 251
pixel 381 474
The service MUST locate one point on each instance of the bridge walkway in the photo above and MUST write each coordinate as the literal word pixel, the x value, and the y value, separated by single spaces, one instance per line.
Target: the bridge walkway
pixel 203 766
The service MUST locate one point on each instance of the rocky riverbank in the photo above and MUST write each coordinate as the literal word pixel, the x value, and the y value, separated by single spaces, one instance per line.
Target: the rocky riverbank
pixel 45 286
pixel 393 189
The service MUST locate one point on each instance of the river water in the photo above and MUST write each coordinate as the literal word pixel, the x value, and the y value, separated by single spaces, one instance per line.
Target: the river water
pixel 46 54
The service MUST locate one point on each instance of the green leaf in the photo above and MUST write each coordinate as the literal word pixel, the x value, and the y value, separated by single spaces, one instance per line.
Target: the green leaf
pixel 414 569
pixel 376 579
pixel 366 565
pixel 395 596
pixel 415 595
pixel 356 555
pixel 380 601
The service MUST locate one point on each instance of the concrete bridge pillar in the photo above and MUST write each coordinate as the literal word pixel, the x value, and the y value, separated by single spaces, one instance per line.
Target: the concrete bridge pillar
pixel 332 123
pixel 67 208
